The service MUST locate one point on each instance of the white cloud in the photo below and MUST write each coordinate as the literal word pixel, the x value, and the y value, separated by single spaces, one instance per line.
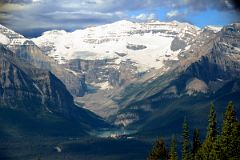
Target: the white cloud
pixel 173 13
pixel 36 1
pixel 228 4
pixel 144 17
pixel 80 15
pixel 72 14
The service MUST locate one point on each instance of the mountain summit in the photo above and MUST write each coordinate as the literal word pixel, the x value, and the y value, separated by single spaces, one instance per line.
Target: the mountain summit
pixel 147 45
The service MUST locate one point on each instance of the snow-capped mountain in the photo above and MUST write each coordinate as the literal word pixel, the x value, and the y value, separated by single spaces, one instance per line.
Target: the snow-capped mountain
pixel 147 45
pixel 210 73
pixel 10 38
pixel 26 50
pixel 112 56
pixel 130 68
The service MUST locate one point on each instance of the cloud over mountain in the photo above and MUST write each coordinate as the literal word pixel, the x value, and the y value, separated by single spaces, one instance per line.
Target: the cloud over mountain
pixel 71 14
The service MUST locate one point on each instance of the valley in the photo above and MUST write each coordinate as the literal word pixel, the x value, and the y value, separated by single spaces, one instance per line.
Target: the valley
pixel 112 89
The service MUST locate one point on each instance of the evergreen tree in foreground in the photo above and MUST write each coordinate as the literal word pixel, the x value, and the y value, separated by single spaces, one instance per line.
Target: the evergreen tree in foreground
pixel 186 155
pixel 215 146
pixel 159 151
pixel 212 133
pixel 230 139
pixel 173 149
pixel 216 152
pixel 196 142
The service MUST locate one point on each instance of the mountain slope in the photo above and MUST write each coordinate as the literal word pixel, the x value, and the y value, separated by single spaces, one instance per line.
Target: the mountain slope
pixel 142 43
pixel 114 55
pixel 118 52
pixel 34 100
pixel 26 50
pixel 213 75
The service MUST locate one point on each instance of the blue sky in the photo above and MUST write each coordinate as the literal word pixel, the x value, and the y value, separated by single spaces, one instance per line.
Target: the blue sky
pixel 32 17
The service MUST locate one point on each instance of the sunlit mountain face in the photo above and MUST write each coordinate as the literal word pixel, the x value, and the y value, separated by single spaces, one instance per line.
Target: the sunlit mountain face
pixel 103 79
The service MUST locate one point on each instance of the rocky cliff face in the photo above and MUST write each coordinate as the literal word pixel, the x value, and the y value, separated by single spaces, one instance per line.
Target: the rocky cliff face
pixel 25 85
pixel 15 83
pixel 26 50
pixel 104 74
pixel 204 74
pixel 32 54
pixel 221 63
pixel 25 88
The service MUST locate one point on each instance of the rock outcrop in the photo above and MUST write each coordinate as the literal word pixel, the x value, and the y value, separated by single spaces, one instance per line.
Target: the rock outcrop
pixel 25 88
pixel 26 50
pixel 210 65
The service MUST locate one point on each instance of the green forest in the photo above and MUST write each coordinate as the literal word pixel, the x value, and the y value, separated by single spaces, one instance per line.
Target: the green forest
pixel 219 144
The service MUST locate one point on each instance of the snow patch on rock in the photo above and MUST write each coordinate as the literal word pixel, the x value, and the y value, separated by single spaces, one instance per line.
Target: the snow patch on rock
pixel 4 40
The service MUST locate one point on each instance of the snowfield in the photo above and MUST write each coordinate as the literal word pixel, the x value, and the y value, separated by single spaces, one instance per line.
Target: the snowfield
pixel 4 40
pixel 11 38
pixel 147 45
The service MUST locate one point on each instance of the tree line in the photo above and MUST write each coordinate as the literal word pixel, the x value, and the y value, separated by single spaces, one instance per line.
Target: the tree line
pixel 219 144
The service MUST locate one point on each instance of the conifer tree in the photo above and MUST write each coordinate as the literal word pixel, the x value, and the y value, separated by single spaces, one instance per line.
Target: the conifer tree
pixel 159 151
pixel 173 149
pixel 215 147
pixel 230 139
pixel 196 144
pixel 216 152
pixel 186 155
pixel 212 133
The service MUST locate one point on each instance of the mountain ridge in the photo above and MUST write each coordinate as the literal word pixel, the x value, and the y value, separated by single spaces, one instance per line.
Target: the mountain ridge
pixel 27 50
pixel 195 84
pixel 30 91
